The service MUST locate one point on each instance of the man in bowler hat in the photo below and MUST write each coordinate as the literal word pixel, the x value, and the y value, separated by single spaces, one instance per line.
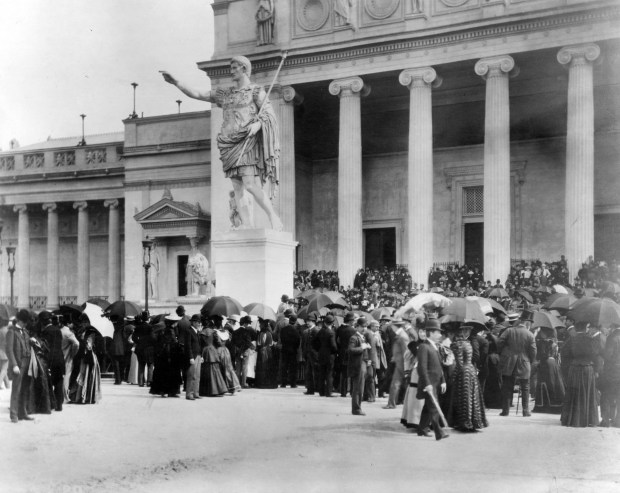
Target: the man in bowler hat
pixel 325 344
pixel 357 367
pixel 517 348
pixel 18 351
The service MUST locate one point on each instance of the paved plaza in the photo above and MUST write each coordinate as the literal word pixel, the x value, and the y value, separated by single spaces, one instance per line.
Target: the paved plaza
pixel 281 440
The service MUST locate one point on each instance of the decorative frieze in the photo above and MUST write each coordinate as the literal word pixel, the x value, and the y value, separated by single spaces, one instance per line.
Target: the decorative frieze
pixel 7 163
pixel 64 158
pixel 312 14
pixel 36 160
pixel 96 156
pixel 381 9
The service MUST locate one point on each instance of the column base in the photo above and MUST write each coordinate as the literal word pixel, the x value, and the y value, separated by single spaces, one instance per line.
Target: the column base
pixel 254 265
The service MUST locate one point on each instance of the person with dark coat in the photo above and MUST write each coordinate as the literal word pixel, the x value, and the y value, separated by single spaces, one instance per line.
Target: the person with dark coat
pixel 517 348
pixel 610 380
pixel 192 358
pixel 343 334
pixel 357 366
pixel 480 354
pixel 290 340
pixel 325 344
pixel 310 355
pixel 430 380
pixel 118 350
pixel 18 352
pixel 56 360
pixel 549 391
pixel 145 352
pixel 242 339
pixel 167 373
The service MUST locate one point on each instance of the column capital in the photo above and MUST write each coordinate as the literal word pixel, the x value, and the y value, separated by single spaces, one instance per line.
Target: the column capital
pixel 80 205
pixel 417 77
pixel 50 206
pixel 111 203
pixel 287 93
pixel 21 208
pixel 496 66
pixel 579 54
pixel 351 86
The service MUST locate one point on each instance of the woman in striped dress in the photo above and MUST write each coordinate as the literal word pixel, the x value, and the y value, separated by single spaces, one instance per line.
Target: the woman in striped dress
pixel 466 411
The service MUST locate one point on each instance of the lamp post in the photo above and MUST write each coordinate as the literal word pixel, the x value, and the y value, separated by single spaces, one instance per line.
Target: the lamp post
pixel 134 114
pixel 146 263
pixel 83 141
pixel 10 251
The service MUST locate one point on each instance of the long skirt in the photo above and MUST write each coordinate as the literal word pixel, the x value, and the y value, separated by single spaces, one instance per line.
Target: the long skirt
pixel 37 386
pixel 493 387
pixel 412 406
pixel 133 370
pixel 212 382
pixel 87 387
pixel 166 376
pixel 580 408
pixel 550 392
pixel 228 371
pixel 466 410
pixel 266 368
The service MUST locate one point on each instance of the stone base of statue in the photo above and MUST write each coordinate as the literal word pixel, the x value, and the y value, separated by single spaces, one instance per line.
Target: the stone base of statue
pixel 254 265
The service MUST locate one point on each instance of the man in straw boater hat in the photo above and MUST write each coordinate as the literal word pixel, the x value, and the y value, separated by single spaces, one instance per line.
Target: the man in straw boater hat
pixel 517 348
pixel 431 380
pixel 357 366
pixel 248 141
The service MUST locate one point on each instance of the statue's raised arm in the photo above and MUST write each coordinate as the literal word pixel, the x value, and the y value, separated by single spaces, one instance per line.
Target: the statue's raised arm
pixel 185 89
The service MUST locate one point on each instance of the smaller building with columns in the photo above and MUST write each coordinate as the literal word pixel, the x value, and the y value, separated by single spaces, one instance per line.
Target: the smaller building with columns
pixel 461 131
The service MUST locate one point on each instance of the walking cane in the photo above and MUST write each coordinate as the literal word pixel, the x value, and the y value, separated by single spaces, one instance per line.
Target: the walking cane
pixel 434 399
pixel 262 106
pixel 518 396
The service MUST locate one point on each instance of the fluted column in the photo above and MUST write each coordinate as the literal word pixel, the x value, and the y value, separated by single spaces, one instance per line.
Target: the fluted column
pixel 350 241
pixel 579 199
pixel 83 252
pixel 52 255
pixel 114 250
pixel 496 70
pixel 420 171
pixel 285 99
pixel 22 261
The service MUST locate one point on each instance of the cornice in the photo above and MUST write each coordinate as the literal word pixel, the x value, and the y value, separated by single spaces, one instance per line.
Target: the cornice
pixel 157 184
pixel 167 148
pixel 268 62
pixel 79 173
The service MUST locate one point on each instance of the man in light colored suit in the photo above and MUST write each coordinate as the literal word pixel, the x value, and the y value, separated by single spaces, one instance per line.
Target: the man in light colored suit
pixel 399 346
pixel 517 348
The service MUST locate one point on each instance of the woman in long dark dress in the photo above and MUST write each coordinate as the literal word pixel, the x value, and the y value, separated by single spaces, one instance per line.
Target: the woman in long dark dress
pixel 579 356
pixel 167 372
pixel 466 411
pixel 266 364
pixel 36 383
pixel 549 394
pixel 86 387
pixel 610 380
pixel 493 387
pixel 212 383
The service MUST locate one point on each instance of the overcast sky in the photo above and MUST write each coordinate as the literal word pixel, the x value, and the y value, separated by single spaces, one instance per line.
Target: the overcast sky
pixel 61 58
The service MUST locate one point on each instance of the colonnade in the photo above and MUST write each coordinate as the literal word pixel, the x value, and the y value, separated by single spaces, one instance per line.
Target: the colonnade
pixel 52 257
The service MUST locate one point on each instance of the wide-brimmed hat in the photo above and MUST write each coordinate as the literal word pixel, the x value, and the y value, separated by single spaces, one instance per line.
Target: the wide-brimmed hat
pixel 172 317
pixel 328 319
pixel 349 317
pixel 223 334
pixel 397 321
pixel 235 318
pixel 512 316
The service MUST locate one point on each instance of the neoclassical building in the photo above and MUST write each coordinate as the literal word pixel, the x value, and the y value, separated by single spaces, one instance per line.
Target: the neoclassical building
pixel 412 132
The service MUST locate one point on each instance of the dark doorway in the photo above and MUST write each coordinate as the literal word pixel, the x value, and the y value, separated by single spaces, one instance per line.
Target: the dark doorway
pixel 380 248
pixel 474 245
pixel 607 237
pixel 182 273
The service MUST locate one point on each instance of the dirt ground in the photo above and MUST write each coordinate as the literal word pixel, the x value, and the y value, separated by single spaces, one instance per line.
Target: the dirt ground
pixel 281 440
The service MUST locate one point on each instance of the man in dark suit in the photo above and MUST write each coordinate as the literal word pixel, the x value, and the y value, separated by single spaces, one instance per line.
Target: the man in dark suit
pixel 290 339
pixel 53 337
pixel 430 380
pixel 192 358
pixel 357 366
pixel 343 334
pixel 242 340
pixel 517 347
pixel 144 349
pixel 325 343
pixel 311 355
pixel 18 352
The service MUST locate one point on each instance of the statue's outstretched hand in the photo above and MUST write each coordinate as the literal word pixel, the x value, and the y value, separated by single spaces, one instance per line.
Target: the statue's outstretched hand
pixel 254 128
pixel 168 77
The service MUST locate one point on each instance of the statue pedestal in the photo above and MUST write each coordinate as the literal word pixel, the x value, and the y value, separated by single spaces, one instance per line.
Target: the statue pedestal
pixel 254 265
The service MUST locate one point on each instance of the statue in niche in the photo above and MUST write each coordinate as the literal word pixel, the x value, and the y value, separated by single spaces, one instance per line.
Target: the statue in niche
pixel 154 269
pixel 265 22
pixel 344 13
pixel 197 270
pixel 416 6
pixel 248 141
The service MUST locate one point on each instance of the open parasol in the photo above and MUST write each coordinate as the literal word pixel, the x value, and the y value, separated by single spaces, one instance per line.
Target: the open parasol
pixel 546 319
pixel 123 309
pixel 221 305
pixel 599 311
pixel 261 311
pixel 462 310
pixel 97 319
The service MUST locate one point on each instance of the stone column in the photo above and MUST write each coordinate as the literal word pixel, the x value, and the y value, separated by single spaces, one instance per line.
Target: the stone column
pixel 496 166
pixel 83 252
pixel 579 199
pixel 420 171
pixel 114 251
pixel 285 99
pixel 350 241
pixel 52 255
pixel 22 260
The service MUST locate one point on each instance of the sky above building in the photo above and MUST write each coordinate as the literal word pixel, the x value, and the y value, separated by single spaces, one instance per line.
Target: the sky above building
pixel 63 58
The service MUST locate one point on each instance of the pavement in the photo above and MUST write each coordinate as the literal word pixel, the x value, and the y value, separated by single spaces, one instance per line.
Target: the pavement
pixel 282 440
